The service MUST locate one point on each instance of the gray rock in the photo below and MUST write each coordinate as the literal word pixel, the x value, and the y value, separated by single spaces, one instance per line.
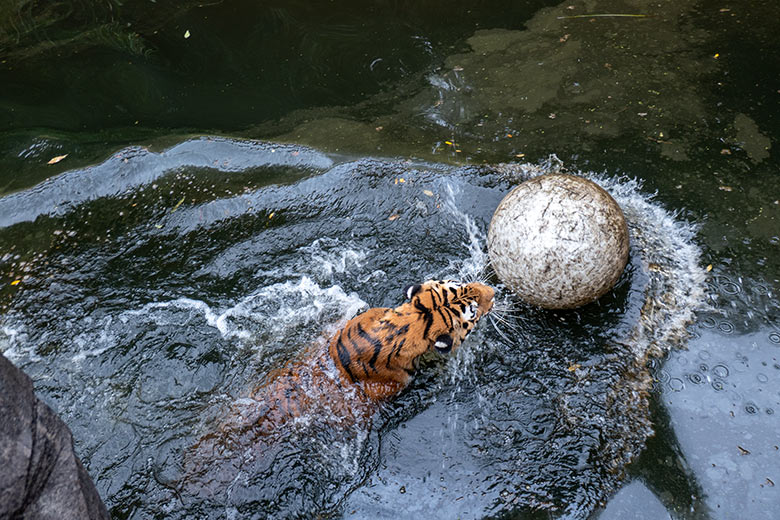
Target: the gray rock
pixel 41 477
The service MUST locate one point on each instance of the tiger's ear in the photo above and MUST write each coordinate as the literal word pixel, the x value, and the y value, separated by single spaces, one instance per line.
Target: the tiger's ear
pixel 411 290
pixel 443 343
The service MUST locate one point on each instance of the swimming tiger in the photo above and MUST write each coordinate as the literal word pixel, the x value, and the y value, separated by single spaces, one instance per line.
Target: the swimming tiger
pixel 369 360
pixel 375 354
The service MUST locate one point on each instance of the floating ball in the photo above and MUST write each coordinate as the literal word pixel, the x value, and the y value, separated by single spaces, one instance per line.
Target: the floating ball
pixel 558 241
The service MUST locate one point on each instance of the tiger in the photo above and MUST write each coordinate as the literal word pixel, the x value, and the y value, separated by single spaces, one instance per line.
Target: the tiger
pixel 368 361
pixel 376 353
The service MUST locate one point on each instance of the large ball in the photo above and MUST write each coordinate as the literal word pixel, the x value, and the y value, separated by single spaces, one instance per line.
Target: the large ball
pixel 558 241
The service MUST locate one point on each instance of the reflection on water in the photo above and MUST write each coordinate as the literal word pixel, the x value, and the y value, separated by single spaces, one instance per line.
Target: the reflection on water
pixel 160 321
pixel 723 398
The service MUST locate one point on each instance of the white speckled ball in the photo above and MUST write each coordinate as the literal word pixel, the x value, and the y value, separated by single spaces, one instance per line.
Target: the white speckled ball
pixel 558 241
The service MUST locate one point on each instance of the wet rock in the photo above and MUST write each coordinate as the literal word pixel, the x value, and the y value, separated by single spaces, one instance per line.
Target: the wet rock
pixel 42 477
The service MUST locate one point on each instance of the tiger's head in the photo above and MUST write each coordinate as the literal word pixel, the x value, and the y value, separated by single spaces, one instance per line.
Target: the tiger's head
pixel 446 310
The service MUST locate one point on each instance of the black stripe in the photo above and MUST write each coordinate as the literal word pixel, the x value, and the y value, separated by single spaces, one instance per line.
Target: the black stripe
pixel 427 316
pixel 396 351
pixel 374 342
pixel 344 359
pixel 450 314
pixel 420 307
pixel 352 341
pixel 428 322
pixel 434 299
pixel 400 331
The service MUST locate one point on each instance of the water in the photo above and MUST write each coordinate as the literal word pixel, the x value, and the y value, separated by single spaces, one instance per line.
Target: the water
pixel 168 315
pixel 161 276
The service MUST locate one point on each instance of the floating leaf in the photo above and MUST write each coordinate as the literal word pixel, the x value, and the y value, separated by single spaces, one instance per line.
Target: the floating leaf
pixel 16 282
pixel 55 160
pixel 428 192
pixel 177 205
pixel 709 268
pixel 393 216
pixel 186 34
pixel 573 367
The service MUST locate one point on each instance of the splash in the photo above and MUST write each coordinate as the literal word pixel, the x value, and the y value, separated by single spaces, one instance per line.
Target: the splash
pixel 280 306
pixel 666 247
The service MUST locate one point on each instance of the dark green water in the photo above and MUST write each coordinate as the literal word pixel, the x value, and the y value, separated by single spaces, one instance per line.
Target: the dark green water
pixel 117 314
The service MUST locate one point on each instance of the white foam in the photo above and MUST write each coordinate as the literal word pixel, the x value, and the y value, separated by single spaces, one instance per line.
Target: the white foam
pixel 330 256
pixel 276 306
pixel 672 260
pixel 94 344
pixel 474 265
pixel 14 344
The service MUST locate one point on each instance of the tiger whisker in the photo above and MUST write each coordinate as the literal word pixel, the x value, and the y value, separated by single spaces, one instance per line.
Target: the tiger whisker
pixel 507 313
pixel 498 330
pixel 504 322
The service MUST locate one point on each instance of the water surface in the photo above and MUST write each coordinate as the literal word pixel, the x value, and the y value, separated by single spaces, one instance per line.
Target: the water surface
pixel 151 283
